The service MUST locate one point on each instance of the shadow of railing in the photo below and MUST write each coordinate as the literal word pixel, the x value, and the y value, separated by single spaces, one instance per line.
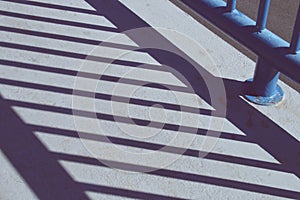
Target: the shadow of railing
pixel 49 180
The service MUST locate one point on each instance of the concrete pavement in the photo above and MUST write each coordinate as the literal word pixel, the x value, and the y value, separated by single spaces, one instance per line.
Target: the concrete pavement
pixel 146 114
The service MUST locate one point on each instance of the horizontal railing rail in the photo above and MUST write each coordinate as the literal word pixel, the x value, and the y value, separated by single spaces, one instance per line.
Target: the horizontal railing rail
pixel 275 55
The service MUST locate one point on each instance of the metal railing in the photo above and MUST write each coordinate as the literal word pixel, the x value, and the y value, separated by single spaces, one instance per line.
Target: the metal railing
pixel 274 54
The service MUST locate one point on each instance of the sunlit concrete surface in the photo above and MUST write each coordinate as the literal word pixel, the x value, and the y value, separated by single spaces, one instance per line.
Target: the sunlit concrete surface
pixel 93 106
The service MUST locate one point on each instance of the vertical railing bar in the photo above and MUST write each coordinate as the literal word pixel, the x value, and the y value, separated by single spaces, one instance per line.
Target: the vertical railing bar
pixel 262 15
pixel 264 90
pixel 231 5
pixel 295 42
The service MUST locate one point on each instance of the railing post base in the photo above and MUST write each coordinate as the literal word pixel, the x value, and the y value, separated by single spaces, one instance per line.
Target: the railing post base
pixel 263 88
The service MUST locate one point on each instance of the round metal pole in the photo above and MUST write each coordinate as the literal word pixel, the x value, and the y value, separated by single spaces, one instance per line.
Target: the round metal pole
pixel 263 88
pixel 231 5
pixel 295 43
pixel 262 14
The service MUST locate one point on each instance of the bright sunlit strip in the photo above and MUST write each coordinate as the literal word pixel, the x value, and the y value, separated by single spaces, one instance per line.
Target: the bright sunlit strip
pixel 162 185
pixel 41 97
pixel 78 32
pixel 96 196
pixel 90 174
pixel 56 79
pixel 75 4
pixel 107 87
pixel 286 114
pixel 55 14
pixel 66 121
pixel 82 49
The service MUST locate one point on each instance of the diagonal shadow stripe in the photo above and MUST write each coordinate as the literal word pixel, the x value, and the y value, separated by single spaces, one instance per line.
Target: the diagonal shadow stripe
pixel 124 192
pixel 32 160
pixel 68 38
pixel 40 169
pixel 94 76
pixel 121 99
pixel 58 21
pixel 183 176
pixel 55 6
pixel 109 117
pixel 80 56
pixel 155 147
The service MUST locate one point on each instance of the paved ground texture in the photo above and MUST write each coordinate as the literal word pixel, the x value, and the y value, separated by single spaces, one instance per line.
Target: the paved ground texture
pixel 106 99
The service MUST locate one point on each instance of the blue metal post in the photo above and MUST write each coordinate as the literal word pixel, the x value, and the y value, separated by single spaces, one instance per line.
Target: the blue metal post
pixel 262 15
pixel 231 5
pixel 273 52
pixel 237 25
pixel 263 88
pixel 295 43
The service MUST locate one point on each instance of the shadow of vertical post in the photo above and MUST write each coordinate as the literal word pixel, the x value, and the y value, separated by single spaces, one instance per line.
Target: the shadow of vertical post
pixel 40 170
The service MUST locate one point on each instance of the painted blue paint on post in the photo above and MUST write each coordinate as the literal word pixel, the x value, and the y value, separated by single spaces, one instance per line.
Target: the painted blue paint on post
pixel 263 88
pixel 295 43
pixel 265 78
pixel 231 5
pixel 274 53
pixel 243 29
pixel 262 15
